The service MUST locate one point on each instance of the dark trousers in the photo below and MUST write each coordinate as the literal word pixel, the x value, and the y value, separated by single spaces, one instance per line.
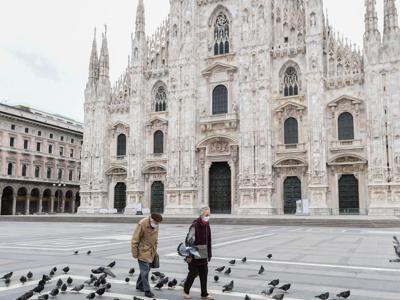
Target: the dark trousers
pixel 143 279
pixel 194 271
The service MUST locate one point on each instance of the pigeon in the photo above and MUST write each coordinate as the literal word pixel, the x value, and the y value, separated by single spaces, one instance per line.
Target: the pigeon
pixel 38 289
pixel 76 252
pixel 111 265
pixel 108 286
pixel 158 274
pixel 101 291
pixel 216 278
pixel 109 272
pixel 278 296
pixel 269 256
pixel 127 279
pixel 7 281
pixel 66 270
pixel 89 252
pixel 159 285
pixel 285 287
pixel 91 296
pixel 165 280
pixel 59 283
pixel 172 284
pixel 54 269
pixel 91 280
pixel 78 288
pixel 268 292
pixel 182 283
pixel 64 288
pixel 7 276
pixel 247 297
pixel 54 293
pixel 131 271
pixel 244 259
pixel 228 271
pixel 274 282
pixel 153 278
pixel 43 297
pixel 220 269
pixel 261 270
pixel 228 287
pixel 324 296
pixel 232 262
pixel 23 279
pixel 29 275
pixel 345 294
pixel 51 274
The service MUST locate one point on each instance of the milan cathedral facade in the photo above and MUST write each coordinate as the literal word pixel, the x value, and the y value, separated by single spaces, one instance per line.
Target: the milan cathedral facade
pixel 246 106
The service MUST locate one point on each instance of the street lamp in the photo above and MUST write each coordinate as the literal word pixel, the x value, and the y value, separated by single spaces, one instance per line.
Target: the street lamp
pixel 59 184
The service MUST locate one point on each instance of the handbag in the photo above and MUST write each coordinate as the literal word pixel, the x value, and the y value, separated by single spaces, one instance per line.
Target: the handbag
pixel 156 262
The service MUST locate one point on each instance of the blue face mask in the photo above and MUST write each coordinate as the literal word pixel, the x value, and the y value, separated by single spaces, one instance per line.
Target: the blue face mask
pixel 205 219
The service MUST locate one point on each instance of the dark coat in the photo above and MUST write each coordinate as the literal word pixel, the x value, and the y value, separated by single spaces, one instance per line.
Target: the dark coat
pixel 202 237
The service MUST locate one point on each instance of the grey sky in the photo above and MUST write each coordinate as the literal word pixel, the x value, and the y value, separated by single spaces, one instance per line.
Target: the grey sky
pixel 45 44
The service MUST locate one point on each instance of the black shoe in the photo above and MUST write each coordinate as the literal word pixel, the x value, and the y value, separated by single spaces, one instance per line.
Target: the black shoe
pixel 149 294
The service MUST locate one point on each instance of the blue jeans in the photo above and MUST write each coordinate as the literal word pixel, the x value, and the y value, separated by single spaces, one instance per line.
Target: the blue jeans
pixel 143 279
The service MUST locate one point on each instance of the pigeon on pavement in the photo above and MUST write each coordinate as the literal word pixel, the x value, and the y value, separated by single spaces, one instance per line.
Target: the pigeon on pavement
pixel 228 287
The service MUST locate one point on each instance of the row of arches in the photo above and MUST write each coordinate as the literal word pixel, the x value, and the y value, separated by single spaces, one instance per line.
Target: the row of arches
pixel 21 202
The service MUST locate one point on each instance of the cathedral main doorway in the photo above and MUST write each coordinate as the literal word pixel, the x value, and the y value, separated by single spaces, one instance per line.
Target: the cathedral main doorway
pixel 220 188
pixel 291 193
pixel 157 197
pixel 349 202
pixel 120 197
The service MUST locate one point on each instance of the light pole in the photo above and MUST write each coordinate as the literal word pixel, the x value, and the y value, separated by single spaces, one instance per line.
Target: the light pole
pixel 59 184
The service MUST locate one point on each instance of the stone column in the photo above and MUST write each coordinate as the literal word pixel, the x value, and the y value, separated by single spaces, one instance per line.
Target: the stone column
pixel 62 203
pixel 28 202
pixel 73 204
pixel 40 203
pixel 1 198
pixel 14 205
pixel 51 204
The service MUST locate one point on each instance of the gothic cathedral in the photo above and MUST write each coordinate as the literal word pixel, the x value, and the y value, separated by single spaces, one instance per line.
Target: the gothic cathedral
pixel 246 106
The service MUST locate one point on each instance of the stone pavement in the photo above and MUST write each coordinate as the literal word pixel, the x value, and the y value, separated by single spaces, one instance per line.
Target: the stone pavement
pixel 313 259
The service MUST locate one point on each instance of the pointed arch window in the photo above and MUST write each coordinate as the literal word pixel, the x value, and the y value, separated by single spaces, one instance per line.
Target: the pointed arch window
pixel 121 145
pixel 290 82
pixel 158 143
pixel 221 35
pixel 160 99
pixel 220 100
pixel 346 126
pixel 291 131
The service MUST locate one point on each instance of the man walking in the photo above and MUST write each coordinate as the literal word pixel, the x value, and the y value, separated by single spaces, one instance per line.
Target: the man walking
pixel 199 236
pixel 144 248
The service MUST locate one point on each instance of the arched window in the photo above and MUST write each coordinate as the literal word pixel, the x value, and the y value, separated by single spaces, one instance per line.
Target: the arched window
pixel 221 35
pixel 121 145
pixel 158 144
pixel 346 126
pixel 220 100
pixel 291 131
pixel 290 82
pixel 10 169
pixel 160 99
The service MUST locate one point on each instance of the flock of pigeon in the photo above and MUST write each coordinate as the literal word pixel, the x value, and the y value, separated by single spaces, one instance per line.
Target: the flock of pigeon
pixel 98 281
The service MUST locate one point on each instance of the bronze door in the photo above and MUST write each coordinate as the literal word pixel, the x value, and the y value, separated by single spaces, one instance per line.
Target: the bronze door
pixel 348 195
pixel 157 197
pixel 220 188
pixel 120 197
pixel 291 193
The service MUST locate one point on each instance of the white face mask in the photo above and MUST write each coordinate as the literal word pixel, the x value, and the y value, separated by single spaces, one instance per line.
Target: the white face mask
pixel 205 219
pixel 154 225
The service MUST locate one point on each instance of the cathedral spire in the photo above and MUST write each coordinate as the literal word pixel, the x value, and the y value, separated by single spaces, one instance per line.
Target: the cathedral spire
pixel 371 19
pixel 140 19
pixel 104 64
pixel 391 24
pixel 94 60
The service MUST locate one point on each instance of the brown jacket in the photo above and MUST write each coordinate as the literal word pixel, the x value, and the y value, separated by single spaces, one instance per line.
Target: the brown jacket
pixel 144 241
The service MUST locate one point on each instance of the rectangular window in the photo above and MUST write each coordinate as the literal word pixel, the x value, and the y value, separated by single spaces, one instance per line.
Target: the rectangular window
pixel 37 171
pixel 50 149
pixel 38 147
pixel 10 169
pixel 60 174
pixel 26 144
pixel 24 169
pixel 71 174
pixel 61 138
pixel 12 141
pixel 51 135
pixel 71 153
pixel 72 141
pixel 48 173
pixel 39 133
pixel 61 151
pixel 12 126
pixel 286 40
pixel 26 130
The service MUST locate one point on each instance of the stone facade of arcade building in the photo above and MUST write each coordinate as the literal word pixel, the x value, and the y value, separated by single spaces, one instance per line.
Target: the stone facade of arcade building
pixel 246 106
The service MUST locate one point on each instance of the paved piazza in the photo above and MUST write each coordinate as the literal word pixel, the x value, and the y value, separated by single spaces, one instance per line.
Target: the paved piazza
pixel 314 260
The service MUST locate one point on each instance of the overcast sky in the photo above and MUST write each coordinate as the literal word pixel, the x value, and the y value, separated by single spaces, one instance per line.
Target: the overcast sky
pixel 45 44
